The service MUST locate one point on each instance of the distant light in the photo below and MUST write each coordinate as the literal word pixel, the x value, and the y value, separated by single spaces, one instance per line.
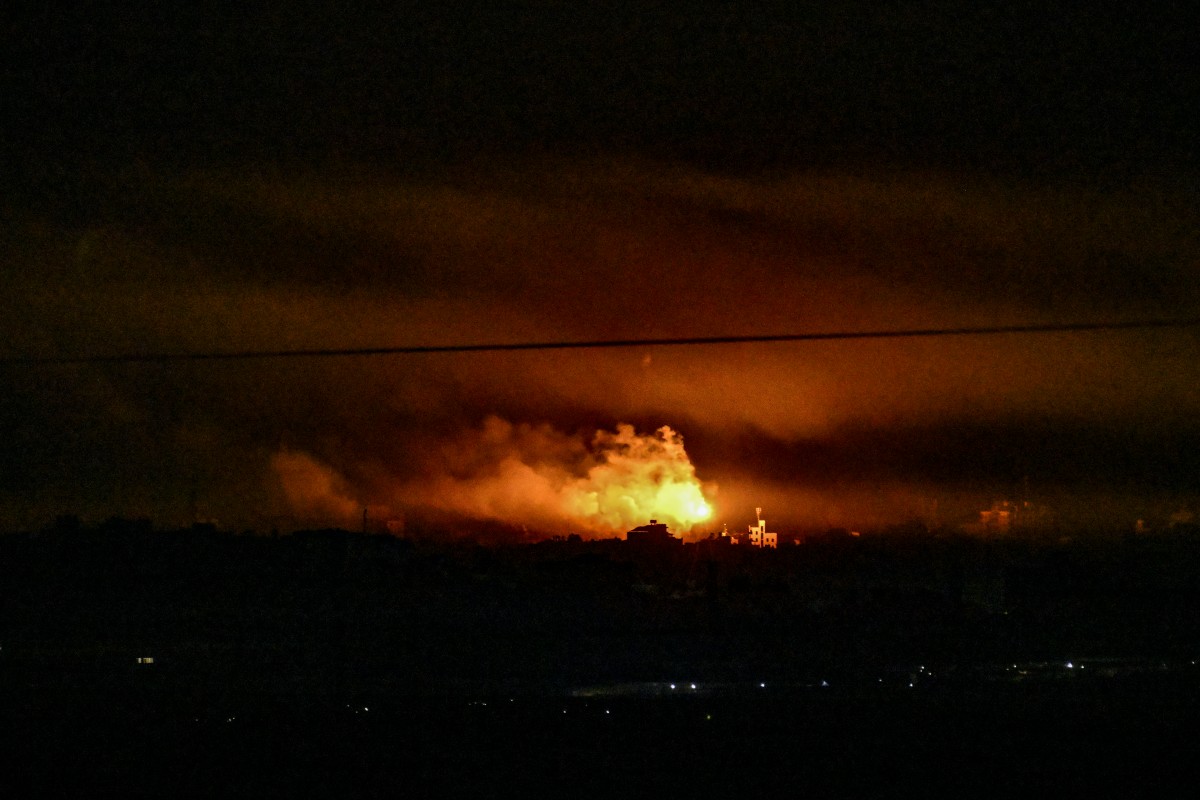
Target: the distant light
pixel 693 686
pixel 825 684
pixel 606 711
pixel 1070 665
pixel 708 716
pixel 762 686
pixel 672 686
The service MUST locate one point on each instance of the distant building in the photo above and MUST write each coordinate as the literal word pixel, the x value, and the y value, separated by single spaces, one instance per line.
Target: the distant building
pixel 998 518
pixel 1006 516
pixel 654 534
pixel 1184 517
pixel 759 535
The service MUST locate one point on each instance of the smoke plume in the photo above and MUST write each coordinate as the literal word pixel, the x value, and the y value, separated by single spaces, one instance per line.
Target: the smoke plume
pixel 314 491
pixel 539 477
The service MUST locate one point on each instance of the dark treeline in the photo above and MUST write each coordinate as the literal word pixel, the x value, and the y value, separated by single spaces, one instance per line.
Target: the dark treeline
pixel 199 660
pixel 326 613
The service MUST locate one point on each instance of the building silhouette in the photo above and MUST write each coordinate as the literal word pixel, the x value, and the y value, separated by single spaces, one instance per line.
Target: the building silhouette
pixel 654 534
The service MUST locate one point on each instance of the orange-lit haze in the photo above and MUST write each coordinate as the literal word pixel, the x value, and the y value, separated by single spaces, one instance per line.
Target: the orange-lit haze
pixel 527 476
pixel 534 475
pixel 1101 427
pixel 313 490
pixel 456 174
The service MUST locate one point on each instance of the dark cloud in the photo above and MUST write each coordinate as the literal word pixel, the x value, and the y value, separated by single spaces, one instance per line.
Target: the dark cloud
pixel 995 86
pixel 228 178
pixel 202 261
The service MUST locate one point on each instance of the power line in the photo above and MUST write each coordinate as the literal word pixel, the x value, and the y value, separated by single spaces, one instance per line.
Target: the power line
pixel 244 355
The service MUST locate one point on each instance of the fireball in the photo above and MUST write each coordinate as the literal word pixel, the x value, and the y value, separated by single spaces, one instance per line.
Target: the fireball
pixel 531 475
pixel 636 478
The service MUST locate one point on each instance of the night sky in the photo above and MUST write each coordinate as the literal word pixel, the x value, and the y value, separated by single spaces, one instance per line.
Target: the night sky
pixel 226 178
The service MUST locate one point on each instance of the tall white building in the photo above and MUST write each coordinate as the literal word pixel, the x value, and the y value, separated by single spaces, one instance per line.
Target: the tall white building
pixel 759 535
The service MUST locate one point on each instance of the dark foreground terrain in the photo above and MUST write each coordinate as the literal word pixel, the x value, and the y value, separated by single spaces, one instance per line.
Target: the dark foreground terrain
pixel 200 663
pixel 1116 741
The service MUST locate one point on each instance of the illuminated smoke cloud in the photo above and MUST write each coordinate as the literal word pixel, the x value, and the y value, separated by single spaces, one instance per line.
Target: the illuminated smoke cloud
pixel 637 477
pixel 314 491
pixel 542 478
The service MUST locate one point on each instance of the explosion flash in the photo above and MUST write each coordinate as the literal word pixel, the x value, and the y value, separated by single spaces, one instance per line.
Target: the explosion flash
pixel 638 477
pixel 538 477
pixel 526 475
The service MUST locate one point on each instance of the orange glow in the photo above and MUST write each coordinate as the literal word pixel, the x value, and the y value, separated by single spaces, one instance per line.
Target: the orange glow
pixel 638 477
pixel 533 475
pixel 313 489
